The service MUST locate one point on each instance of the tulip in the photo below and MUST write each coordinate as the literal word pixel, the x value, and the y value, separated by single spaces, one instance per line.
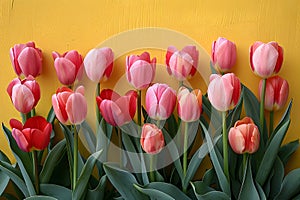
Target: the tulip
pixel 24 94
pixel 117 110
pixel 152 139
pixel 223 54
pixel 266 59
pixel 277 92
pixel 244 136
pixel 224 91
pixel 69 106
pixel 68 66
pixel 34 135
pixel 26 59
pixel 189 104
pixel 182 64
pixel 140 70
pixel 98 64
pixel 160 101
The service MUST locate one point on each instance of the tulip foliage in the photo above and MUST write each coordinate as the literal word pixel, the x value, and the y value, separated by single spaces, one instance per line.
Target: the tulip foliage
pixel 160 146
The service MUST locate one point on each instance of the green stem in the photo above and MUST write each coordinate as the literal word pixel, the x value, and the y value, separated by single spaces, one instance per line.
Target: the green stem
pixel 271 124
pixel 36 171
pixel 180 84
pixel 152 176
pixel 32 112
pixel 225 145
pixel 97 109
pixel 185 148
pixel 262 105
pixel 245 156
pixel 75 155
pixel 120 144
pixel 139 108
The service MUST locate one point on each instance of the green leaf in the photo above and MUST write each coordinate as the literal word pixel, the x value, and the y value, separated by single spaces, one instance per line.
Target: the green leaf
pixel 213 195
pixel 168 189
pixel 287 150
pixel 210 177
pixel 99 191
pixel 154 194
pixel 40 197
pixel 56 191
pixel 3 177
pixel 262 195
pixel 9 196
pixel 200 188
pixel 89 136
pixel 277 178
pixel 290 185
pixel 51 115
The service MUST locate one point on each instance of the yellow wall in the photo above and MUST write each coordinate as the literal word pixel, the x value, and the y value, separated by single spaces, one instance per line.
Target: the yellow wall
pixel 63 25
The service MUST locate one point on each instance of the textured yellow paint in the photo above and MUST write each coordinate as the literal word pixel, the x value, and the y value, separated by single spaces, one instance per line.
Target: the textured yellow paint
pixel 63 25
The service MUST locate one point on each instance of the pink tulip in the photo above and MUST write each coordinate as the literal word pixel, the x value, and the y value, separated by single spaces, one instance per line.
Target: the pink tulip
pixel 266 59
pixel 182 64
pixel 223 55
pixel 224 91
pixel 24 94
pixel 68 66
pixel 152 139
pixel 140 70
pixel 69 106
pixel 34 135
pixel 98 64
pixel 189 104
pixel 244 136
pixel 160 101
pixel 277 92
pixel 117 110
pixel 26 59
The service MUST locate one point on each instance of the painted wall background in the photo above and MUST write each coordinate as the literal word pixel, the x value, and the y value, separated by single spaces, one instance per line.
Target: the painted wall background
pixel 63 25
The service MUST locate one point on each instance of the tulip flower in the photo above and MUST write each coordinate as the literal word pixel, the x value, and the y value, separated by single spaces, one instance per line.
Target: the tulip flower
pixel 160 101
pixel 182 64
pixel 69 106
pixel 98 64
pixel 68 66
pixel 223 54
pixel 24 94
pixel 34 135
pixel 189 104
pixel 152 139
pixel 26 59
pixel 277 92
pixel 140 70
pixel 266 59
pixel 244 136
pixel 224 91
pixel 117 110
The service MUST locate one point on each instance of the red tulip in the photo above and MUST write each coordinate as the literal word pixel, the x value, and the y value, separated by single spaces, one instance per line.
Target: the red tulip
pixel 140 70
pixel 152 139
pixel 117 110
pixel 189 104
pixel 244 136
pixel 98 64
pixel 24 94
pixel 34 135
pixel 160 101
pixel 266 59
pixel 223 54
pixel 277 92
pixel 182 64
pixel 68 66
pixel 26 59
pixel 224 91
pixel 69 106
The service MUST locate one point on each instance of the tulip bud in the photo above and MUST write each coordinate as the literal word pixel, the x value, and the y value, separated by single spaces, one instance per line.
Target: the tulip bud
pixel 152 139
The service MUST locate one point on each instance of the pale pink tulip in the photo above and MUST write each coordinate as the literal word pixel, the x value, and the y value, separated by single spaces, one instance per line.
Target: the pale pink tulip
pixel 152 139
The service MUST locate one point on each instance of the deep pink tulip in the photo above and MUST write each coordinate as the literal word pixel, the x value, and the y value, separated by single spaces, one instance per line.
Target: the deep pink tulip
pixel 26 59
pixel 224 91
pixel 182 64
pixel 117 110
pixel 244 136
pixel 160 101
pixel 24 94
pixel 152 139
pixel 189 104
pixel 223 55
pixel 69 106
pixel 34 135
pixel 98 64
pixel 266 58
pixel 68 66
pixel 277 92
pixel 140 70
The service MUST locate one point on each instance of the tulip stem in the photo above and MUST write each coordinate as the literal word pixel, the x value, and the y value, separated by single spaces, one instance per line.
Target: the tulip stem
pixel 75 154
pixel 152 176
pixel 97 109
pixel 245 156
pixel 262 105
pixel 180 84
pixel 139 108
pixel 185 146
pixel 36 171
pixel 225 145
pixel 271 124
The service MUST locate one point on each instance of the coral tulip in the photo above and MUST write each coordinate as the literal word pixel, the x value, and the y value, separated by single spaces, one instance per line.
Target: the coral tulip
pixel 34 135
pixel 152 139
pixel 160 101
pixel 98 64
pixel 140 70
pixel 244 136
pixel 266 59
pixel 224 91
pixel 68 66
pixel 182 64
pixel 69 106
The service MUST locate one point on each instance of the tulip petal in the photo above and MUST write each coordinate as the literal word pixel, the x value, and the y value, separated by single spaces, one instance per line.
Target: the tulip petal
pixel 76 108
pixel 143 74
pixel 22 98
pixel 20 140
pixel 106 111
pixel 30 62
pixel 65 70
pixel 95 64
